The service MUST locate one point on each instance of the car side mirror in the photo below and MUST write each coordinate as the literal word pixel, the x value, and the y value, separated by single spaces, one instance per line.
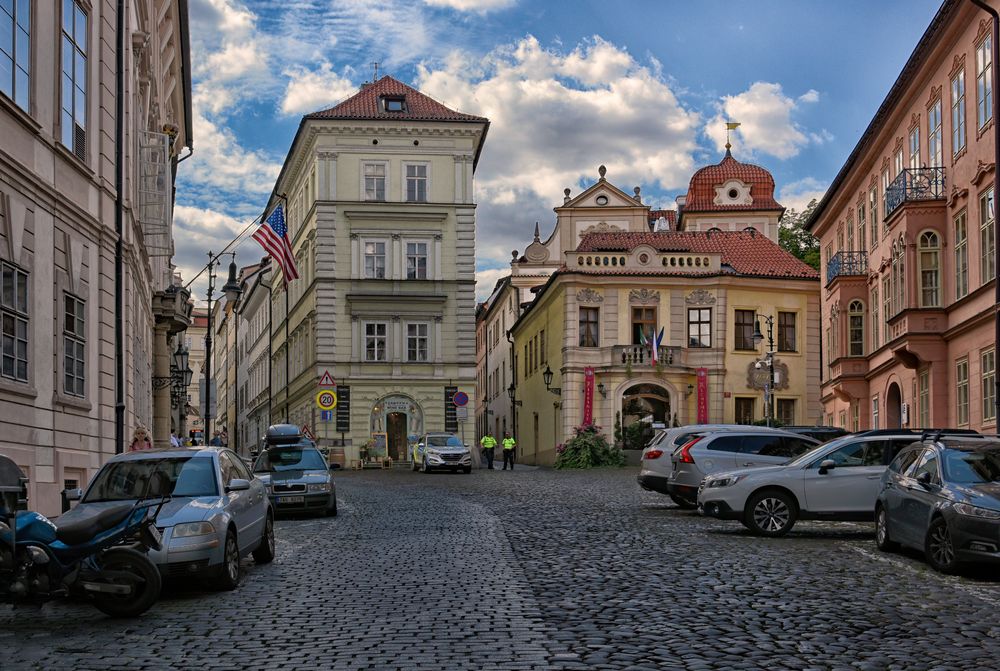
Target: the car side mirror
pixel 826 465
pixel 74 494
pixel 238 485
pixel 924 479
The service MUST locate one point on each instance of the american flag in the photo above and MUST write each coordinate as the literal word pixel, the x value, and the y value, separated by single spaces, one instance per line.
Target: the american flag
pixel 273 237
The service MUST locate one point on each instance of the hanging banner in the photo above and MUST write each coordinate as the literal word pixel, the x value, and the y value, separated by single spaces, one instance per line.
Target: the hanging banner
pixel 588 396
pixel 703 396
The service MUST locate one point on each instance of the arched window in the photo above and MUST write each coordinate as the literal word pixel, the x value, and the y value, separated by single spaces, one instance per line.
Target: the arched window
pixel 856 329
pixel 929 253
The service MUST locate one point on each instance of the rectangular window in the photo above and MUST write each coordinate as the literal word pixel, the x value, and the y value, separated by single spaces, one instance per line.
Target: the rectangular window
pixel 699 327
pixel 886 306
pixel 542 353
pixel 924 397
pixel 588 327
pixel 15 52
pixel 897 163
pixel 745 410
pixel 14 323
pixel 786 332
pixel 375 341
pixel 744 329
pixel 416 342
pixel 375 260
pixel 958 112
pixel 862 229
pixel 855 417
pixel 73 122
pixel 961 255
pixel 962 392
pixel 875 412
pixel 525 360
pixel 643 325
pixel 934 135
pixel 984 81
pixel 873 214
pixel 416 183
pixel 785 411
pixel 989 372
pixel 856 334
pixel 416 260
pixel 849 227
pixel 915 148
pixel 374 181
pixel 885 204
pixel 987 241
pixel 74 346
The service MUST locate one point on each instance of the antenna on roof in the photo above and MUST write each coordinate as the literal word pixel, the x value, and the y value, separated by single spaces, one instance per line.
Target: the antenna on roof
pixel 375 75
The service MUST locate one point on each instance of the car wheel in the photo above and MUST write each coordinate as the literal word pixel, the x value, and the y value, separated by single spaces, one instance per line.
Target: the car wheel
pixel 770 513
pixel 467 469
pixel 424 468
pixel 882 540
pixel 264 554
pixel 939 547
pixel 228 577
pixel 683 503
pixel 332 510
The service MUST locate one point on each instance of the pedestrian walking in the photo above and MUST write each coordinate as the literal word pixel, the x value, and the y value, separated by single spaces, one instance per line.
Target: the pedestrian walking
pixel 488 443
pixel 216 440
pixel 174 440
pixel 508 444
pixel 140 440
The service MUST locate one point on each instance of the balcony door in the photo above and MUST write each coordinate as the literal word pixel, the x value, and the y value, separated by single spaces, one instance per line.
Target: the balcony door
pixel 643 322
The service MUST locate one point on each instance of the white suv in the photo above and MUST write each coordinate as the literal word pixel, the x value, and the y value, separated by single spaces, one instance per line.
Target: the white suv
pixel 836 481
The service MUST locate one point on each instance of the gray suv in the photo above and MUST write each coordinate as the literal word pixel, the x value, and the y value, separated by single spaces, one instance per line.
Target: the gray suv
pixel 709 453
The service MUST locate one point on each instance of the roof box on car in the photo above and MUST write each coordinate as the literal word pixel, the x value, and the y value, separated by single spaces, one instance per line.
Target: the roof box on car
pixel 283 434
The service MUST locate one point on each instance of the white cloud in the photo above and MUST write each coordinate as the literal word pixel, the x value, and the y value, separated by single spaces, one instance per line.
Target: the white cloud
pixel 766 125
pixel 556 116
pixel 486 280
pixel 797 195
pixel 481 6
pixel 221 162
pixel 312 90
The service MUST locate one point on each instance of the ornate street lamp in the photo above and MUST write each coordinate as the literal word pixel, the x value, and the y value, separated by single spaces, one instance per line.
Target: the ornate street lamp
pixel 547 378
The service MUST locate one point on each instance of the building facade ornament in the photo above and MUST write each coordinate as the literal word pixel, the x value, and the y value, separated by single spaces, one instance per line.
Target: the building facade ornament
pixel 700 297
pixel 602 227
pixel 588 295
pixel 760 377
pixel 643 296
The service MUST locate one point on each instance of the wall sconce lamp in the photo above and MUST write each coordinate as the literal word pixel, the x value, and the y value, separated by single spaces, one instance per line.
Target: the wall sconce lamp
pixel 601 390
pixel 547 378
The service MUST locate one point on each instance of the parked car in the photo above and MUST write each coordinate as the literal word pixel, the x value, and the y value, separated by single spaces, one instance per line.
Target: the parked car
pixel 820 433
pixel 942 496
pixel 217 514
pixel 837 481
pixel 436 451
pixel 751 447
pixel 655 466
pixel 297 477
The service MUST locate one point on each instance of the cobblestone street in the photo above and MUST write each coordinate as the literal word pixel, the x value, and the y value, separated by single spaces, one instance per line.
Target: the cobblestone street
pixel 539 569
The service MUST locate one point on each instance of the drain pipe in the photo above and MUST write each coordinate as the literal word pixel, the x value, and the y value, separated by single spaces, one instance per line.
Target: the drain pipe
pixel 119 225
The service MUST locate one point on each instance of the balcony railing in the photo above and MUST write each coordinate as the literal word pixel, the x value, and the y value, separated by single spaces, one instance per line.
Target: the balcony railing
pixel 843 264
pixel 635 355
pixel 914 184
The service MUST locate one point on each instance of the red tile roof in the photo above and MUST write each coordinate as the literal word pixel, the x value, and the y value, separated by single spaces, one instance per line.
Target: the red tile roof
pixel 669 215
pixel 701 190
pixel 367 104
pixel 744 252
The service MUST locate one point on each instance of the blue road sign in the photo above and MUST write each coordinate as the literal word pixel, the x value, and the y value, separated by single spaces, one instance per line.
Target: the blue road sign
pixel 460 399
pixel 326 415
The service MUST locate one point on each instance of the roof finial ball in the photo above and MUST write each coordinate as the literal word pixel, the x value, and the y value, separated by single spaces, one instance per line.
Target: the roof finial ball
pixel 566 195
pixel 513 255
pixel 602 171
pixel 636 191
pixel 730 125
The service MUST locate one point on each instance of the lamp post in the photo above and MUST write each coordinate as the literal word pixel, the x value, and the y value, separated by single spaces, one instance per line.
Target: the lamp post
pixel 547 378
pixel 769 361
pixel 231 288
pixel 512 393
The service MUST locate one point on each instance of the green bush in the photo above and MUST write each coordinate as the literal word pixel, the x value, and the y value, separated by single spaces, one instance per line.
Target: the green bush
pixel 588 448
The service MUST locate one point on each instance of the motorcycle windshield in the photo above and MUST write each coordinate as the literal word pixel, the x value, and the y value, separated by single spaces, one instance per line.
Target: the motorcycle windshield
pixel 154 478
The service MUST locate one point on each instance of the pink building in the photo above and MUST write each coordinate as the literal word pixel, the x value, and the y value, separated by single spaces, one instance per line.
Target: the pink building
pixel 908 235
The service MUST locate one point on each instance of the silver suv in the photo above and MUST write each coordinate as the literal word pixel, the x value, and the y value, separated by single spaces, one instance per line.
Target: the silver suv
pixel 751 447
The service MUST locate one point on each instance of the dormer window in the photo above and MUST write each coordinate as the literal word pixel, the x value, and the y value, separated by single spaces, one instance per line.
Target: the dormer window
pixel 394 103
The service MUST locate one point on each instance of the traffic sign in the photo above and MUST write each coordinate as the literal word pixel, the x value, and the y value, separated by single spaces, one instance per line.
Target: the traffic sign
pixel 462 413
pixel 326 415
pixel 326 400
pixel 460 399
pixel 326 380
pixel 307 433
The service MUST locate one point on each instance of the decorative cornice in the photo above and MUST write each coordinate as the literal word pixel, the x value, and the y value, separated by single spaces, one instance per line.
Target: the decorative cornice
pixel 934 97
pixel 643 296
pixel 914 120
pixel 602 227
pixel 982 169
pixel 956 194
pixel 958 63
pixel 588 295
pixel 700 297
pixel 898 145
pixel 984 28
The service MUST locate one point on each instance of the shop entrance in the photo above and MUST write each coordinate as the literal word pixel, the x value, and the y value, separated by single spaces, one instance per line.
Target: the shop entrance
pixel 396 430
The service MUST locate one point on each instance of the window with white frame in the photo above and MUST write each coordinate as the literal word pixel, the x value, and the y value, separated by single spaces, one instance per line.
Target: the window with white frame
pixel 875 325
pixel 961 255
pixel 862 228
pixel 375 341
pixel 886 306
pixel 934 134
pixel 15 52
pixel 374 174
pixel 915 148
pixel 962 392
pixel 873 214
pixel 875 412
pixel 14 323
pixel 929 253
pixel 416 342
pixel 849 229
pixel 924 397
pixel 885 203
pixel 374 260
pixel 74 346
pixel 958 112
pixel 416 260
pixel 856 329
pixel 988 369
pixel 984 81
pixel 987 241
pixel 73 122
pixel 416 182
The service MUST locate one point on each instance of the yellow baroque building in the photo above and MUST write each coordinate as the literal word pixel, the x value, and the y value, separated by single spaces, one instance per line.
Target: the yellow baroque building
pixel 700 280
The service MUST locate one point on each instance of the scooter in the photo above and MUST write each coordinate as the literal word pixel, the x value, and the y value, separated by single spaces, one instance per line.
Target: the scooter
pixel 101 557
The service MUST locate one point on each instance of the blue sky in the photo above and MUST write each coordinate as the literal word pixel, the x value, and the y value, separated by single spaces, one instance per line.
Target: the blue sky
pixel 642 87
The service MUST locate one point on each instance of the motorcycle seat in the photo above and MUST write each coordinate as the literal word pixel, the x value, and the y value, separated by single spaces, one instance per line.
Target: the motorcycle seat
pixel 90 522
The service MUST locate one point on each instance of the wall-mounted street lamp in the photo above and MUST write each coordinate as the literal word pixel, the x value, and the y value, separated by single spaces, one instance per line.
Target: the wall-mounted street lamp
pixel 512 393
pixel 547 378
pixel 602 390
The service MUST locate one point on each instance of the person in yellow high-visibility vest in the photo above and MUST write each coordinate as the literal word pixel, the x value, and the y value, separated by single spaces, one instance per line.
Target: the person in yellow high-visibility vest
pixel 508 445
pixel 488 442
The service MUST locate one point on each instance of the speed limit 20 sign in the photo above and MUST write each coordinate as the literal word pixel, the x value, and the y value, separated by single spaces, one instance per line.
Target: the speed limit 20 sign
pixel 326 400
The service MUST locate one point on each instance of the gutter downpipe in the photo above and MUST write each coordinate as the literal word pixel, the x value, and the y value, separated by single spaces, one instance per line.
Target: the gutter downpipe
pixel 996 193
pixel 119 226
pixel 513 381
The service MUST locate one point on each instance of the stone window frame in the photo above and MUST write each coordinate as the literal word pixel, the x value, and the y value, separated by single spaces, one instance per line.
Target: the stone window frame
pixel 935 112
pixel 924 247
pixel 961 253
pixel 363 195
pixel 386 255
pixel 856 311
pixel 405 179
pixel 25 262
pixel 699 322
pixel 958 111
pixel 987 236
pixel 428 257
pixel 85 8
pixel 962 384
pixel 18 97
pixel 736 333
pixel 364 340
pixel 428 341
pixel 984 105
pixel 988 385
pixel 794 327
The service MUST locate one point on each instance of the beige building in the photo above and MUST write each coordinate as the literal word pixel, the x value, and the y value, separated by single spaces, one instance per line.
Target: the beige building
pixel 381 216
pixel 59 381
pixel 194 340
pixel 254 369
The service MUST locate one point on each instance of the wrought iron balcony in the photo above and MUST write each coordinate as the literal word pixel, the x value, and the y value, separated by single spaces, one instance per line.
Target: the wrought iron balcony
pixel 844 264
pixel 914 184
pixel 634 355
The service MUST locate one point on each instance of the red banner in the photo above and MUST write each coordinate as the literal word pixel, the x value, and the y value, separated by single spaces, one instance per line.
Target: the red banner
pixel 588 396
pixel 703 396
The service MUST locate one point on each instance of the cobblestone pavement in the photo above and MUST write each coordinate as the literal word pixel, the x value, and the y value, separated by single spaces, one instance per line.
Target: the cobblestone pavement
pixel 537 569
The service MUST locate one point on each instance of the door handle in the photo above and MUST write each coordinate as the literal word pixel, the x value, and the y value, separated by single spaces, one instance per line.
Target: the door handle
pixel 874 477
pixel 749 463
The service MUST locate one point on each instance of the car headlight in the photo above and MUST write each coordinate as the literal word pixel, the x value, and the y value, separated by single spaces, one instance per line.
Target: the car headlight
pixel 318 487
pixel 976 511
pixel 189 529
pixel 726 481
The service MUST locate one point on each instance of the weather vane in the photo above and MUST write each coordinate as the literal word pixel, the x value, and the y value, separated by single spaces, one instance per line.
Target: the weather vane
pixel 730 125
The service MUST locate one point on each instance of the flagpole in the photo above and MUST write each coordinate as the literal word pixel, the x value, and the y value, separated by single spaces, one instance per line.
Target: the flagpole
pixel 288 348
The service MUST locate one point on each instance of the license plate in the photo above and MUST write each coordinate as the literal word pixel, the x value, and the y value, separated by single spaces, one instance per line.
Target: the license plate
pixel 291 499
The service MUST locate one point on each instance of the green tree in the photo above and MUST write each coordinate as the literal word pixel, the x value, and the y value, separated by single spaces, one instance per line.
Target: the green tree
pixel 795 239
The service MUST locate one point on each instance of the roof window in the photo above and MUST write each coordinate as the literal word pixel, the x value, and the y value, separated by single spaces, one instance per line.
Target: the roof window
pixel 394 103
